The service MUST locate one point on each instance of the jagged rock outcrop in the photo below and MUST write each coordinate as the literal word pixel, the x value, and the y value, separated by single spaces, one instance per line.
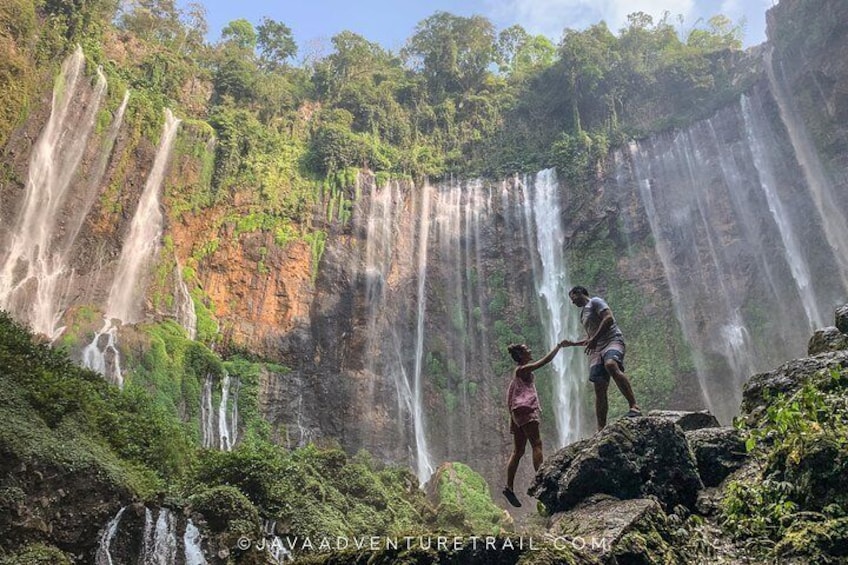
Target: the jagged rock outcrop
pixel 786 379
pixel 827 339
pixel 687 421
pixel 617 531
pixel 632 458
pixel 718 452
pixel 842 318
pixel 43 501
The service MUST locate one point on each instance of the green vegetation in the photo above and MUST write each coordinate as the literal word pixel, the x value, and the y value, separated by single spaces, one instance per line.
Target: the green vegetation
pixel 140 441
pixel 319 492
pixel 465 503
pixel 798 507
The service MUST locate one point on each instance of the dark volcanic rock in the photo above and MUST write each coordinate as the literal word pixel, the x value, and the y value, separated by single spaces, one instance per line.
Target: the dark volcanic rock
pixel 786 379
pixel 616 531
pixel 827 339
pixel 632 458
pixel 718 452
pixel 842 318
pixel 687 420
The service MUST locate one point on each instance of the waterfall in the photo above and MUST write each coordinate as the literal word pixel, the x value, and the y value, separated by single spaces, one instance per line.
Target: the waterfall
pixel 207 416
pixel 102 356
pixel 560 318
pixel 793 254
pixel 103 555
pixel 164 541
pixel 726 201
pixel 276 549
pixel 185 312
pixel 423 463
pixel 35 263
pixel 192 544
pixel 142 241
pixel 227 428
pixel 225 439
pixel 140 246
pixel 696 270
pixel 821 190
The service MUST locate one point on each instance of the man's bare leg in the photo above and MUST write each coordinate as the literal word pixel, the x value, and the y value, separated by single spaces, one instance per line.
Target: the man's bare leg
pixel 601 403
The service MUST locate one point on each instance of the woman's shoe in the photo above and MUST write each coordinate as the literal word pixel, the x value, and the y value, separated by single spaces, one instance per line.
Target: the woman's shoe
pixel 510 496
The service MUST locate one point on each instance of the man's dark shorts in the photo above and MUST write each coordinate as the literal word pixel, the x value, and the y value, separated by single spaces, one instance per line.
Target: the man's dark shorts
pixel 597 372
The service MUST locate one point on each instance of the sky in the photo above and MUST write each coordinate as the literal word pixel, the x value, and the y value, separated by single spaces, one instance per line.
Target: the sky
pixel 391 22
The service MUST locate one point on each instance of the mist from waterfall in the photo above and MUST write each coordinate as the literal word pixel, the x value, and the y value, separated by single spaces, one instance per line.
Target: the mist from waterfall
pixel 833 219
pixel 35 262
pixel 739 231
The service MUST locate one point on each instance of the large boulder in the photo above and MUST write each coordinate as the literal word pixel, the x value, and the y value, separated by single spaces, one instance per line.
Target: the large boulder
pixel 842 318
pixel 786 379
pixel 463 503
pixel 687 420
pixel 827 339
pixel 718 452
pixel 632 458
pixel 616 531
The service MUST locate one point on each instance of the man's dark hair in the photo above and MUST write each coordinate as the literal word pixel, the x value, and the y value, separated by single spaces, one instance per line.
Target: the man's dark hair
pixel 579 290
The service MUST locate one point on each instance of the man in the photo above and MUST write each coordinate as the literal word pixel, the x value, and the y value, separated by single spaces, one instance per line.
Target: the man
pixel 605 348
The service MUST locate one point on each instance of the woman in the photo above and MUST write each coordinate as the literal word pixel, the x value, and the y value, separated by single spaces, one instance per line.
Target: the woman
pixel 524 409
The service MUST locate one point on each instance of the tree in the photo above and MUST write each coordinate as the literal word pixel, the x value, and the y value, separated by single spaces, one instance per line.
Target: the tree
pixel 240 33
pixel 151 20
pixel 452 52
pixel 586 59
pixel 276 44
pixel 720 34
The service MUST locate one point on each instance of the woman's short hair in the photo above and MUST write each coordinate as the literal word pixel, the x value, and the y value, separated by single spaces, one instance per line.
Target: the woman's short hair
pixel 515 350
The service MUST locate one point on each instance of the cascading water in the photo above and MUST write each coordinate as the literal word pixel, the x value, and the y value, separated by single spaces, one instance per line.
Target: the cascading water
pixel 794 257
pixel 102 356
pixel 140 246
pixel 35 262
pixel 560 319
pixel 142 241
pixel 731 221
pixel 107 535
pixel 164 540
pixel 427 268
pixel 424 465
pixel 219 430
pixel 833 220
pixel 192 545
pixel 185 312
pixel 276 549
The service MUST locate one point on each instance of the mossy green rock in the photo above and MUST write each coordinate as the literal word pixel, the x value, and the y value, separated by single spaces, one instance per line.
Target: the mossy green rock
pixel 463 502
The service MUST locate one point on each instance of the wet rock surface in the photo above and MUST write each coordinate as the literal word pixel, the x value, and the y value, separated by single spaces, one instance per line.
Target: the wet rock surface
pixel 632 458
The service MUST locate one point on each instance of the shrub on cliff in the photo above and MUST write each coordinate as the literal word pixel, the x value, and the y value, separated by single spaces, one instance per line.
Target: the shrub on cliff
pixel 53 396
pixel 316 492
